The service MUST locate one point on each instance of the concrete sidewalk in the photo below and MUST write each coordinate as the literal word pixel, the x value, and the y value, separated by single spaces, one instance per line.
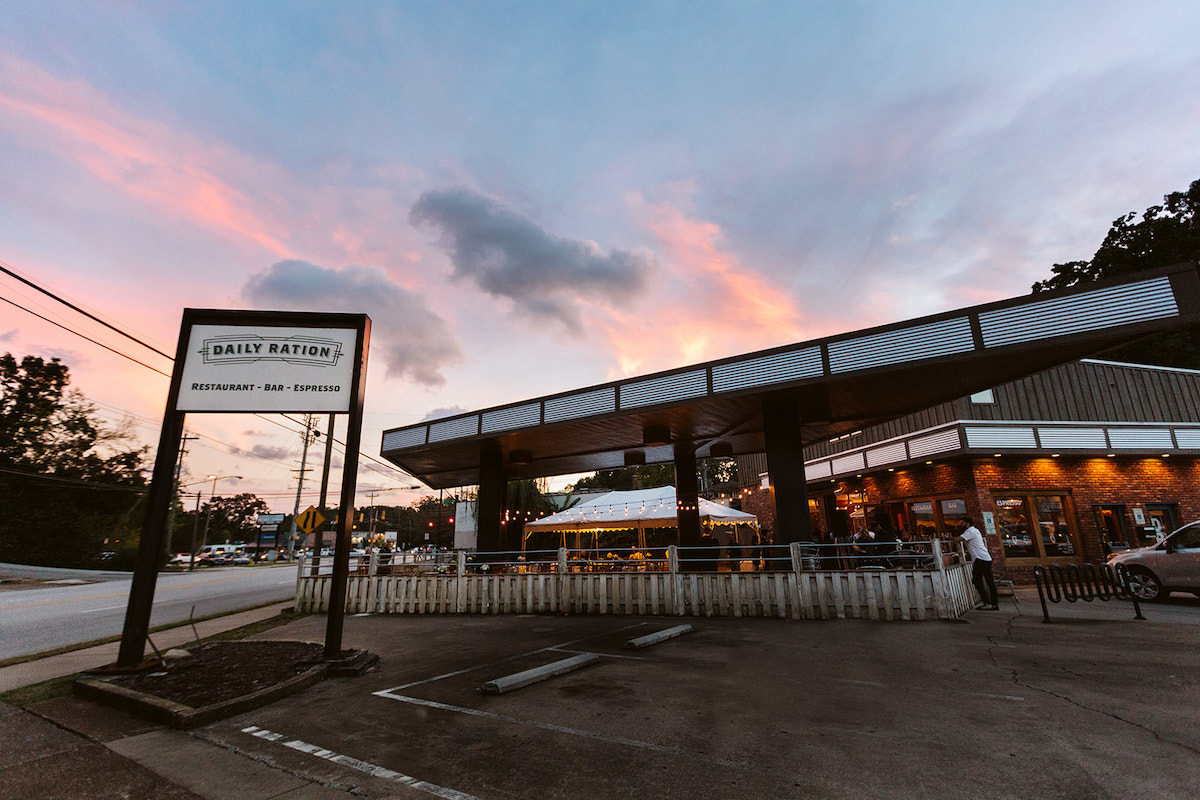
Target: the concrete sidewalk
pixel 1000 705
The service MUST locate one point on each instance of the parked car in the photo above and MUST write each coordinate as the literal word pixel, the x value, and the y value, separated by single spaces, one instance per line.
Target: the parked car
pixel 1172 565
pixel 181 559
pixel 242 558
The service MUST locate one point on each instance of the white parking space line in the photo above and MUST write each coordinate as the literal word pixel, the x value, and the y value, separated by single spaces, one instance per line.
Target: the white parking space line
pixel 548 649
pixel 354 763
pixel 94 610
pixel 998 696
pixel 548 726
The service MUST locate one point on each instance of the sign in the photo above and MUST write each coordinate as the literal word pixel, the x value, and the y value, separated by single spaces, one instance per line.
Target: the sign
pixel 309 520
pixel 263 368
pixel 270 522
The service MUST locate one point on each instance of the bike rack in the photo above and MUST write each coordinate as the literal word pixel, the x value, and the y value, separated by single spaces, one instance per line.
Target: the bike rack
pixel 1083 582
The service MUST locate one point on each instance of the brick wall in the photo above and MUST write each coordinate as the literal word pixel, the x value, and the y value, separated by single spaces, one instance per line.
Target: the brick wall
pixel 1087 481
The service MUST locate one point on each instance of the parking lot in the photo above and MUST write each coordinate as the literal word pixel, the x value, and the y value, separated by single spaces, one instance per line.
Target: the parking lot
pixel 1002 705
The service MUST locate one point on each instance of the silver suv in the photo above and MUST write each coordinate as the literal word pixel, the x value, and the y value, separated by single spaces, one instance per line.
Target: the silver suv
pixel 1172 565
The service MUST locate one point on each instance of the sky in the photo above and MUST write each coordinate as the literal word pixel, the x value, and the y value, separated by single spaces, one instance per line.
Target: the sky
pixel 535 197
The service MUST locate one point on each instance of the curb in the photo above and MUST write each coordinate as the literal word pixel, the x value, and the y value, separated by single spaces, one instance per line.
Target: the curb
pixel 177 715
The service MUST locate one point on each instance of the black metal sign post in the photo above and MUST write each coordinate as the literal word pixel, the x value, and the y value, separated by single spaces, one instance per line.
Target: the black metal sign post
pixel 280 361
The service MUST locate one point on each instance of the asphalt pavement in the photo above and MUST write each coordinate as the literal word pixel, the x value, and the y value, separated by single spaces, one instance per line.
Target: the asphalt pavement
pixel 998 705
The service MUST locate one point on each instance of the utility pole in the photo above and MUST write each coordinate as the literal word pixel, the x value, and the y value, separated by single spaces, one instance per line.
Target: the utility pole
pixel 309 435
pixel 175 489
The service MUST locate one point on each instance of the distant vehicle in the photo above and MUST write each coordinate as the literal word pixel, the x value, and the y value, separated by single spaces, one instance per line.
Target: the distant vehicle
pixel 1172 565
pixel 181 559
pixel 217 549
pixel 242 558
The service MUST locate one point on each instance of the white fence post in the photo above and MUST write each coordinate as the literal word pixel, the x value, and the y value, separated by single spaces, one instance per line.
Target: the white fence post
pixel 460 593
pixel 560 590
pixel 299 577
pixel 676 583
pixel 373 564
pixel 797 563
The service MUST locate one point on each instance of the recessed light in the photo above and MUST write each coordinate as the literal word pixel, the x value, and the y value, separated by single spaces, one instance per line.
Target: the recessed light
pixel 1112 455
pixel 997 455
pixel 1054 455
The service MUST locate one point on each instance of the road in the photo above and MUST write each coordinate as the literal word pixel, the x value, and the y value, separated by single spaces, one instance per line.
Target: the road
pixel 41 619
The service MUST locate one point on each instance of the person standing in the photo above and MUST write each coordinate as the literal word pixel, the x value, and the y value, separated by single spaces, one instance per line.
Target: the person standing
pixel 981 565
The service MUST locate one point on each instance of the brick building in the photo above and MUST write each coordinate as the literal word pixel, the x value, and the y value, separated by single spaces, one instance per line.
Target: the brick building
pixel 1063 466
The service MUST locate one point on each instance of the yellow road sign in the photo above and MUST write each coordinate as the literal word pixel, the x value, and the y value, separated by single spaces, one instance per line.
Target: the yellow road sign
pixel 309 520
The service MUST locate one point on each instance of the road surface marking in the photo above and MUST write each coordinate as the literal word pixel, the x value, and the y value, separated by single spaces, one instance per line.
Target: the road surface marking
pixel 361 766
pixel 549 726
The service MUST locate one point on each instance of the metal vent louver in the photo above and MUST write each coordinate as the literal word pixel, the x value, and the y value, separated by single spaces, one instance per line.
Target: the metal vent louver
pixel 848 463
pixel 1141 438
pixel 936 443
pixel 898 346
pixel 454 428
pixel 584 404
pixel 404 437
pixel 504 419
pixel 665 389
pixel 1188 438
pixel 820 469
pixel 889 454
pixel 1138 302
pixel 766 370
pixel 1072 438
pixel 1000 437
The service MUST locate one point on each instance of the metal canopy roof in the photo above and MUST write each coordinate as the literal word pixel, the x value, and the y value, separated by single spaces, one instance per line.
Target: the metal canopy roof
pixel 841 383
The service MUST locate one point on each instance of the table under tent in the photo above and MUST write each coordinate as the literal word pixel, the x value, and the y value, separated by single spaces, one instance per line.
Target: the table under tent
pixel 638 524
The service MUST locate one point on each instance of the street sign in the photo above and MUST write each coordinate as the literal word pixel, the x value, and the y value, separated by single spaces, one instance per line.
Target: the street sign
pixel 309 520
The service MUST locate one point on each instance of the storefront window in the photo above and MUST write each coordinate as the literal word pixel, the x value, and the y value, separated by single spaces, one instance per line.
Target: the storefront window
pixel 953 512
pixel 1052 521
pixel 1111 522
pixel 1035 526
pixel 1162 518
pixel 1012 523
pixel 923 521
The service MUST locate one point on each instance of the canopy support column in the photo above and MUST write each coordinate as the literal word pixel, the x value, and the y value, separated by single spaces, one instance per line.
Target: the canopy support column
pixel 493 497
pixel 687 500
pixel 785 468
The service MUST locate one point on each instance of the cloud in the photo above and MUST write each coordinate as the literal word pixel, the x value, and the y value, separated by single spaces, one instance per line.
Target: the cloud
pixel 442 413
pixel 9 336
pixel 414 342
pixel 164 169
pixel 268 452
pixel 509 256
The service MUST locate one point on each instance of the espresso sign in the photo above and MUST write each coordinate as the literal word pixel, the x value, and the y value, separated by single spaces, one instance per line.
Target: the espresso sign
pixel 264 368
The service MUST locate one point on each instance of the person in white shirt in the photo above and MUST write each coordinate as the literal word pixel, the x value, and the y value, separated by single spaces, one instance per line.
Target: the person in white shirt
pixel 981 564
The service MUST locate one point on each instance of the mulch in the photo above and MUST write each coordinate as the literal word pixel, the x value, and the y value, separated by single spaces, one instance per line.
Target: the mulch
pixel 218 671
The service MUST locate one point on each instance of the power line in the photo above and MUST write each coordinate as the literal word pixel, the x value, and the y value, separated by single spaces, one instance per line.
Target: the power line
pixel 87 314
pixel 93 317
pixel 82 336
pixel 38 476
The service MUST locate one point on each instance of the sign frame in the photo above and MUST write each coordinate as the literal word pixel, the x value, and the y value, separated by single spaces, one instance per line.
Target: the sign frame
pixel 162 489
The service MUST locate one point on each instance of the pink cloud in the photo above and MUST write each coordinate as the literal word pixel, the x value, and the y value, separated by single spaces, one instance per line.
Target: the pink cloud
pixel 163 169
pixel 705 303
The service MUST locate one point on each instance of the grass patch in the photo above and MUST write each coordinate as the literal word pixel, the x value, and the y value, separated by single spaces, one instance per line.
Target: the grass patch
pixel 57 687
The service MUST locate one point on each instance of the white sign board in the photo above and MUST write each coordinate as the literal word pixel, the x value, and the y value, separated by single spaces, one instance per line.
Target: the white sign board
pixel 265 368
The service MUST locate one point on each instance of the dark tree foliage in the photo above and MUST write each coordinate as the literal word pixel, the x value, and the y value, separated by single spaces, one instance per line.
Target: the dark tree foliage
pixel 710 473
pixel 70 489
pixel 1165 235
pixel 234 518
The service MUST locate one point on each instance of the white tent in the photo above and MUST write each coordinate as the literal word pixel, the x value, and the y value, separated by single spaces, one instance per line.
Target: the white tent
pixel 635 511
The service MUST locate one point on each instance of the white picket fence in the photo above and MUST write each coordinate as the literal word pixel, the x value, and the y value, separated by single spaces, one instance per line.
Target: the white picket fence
pixel 944 592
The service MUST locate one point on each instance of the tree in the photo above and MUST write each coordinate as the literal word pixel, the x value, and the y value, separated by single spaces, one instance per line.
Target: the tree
pixel 70 488
pixel 1166 234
